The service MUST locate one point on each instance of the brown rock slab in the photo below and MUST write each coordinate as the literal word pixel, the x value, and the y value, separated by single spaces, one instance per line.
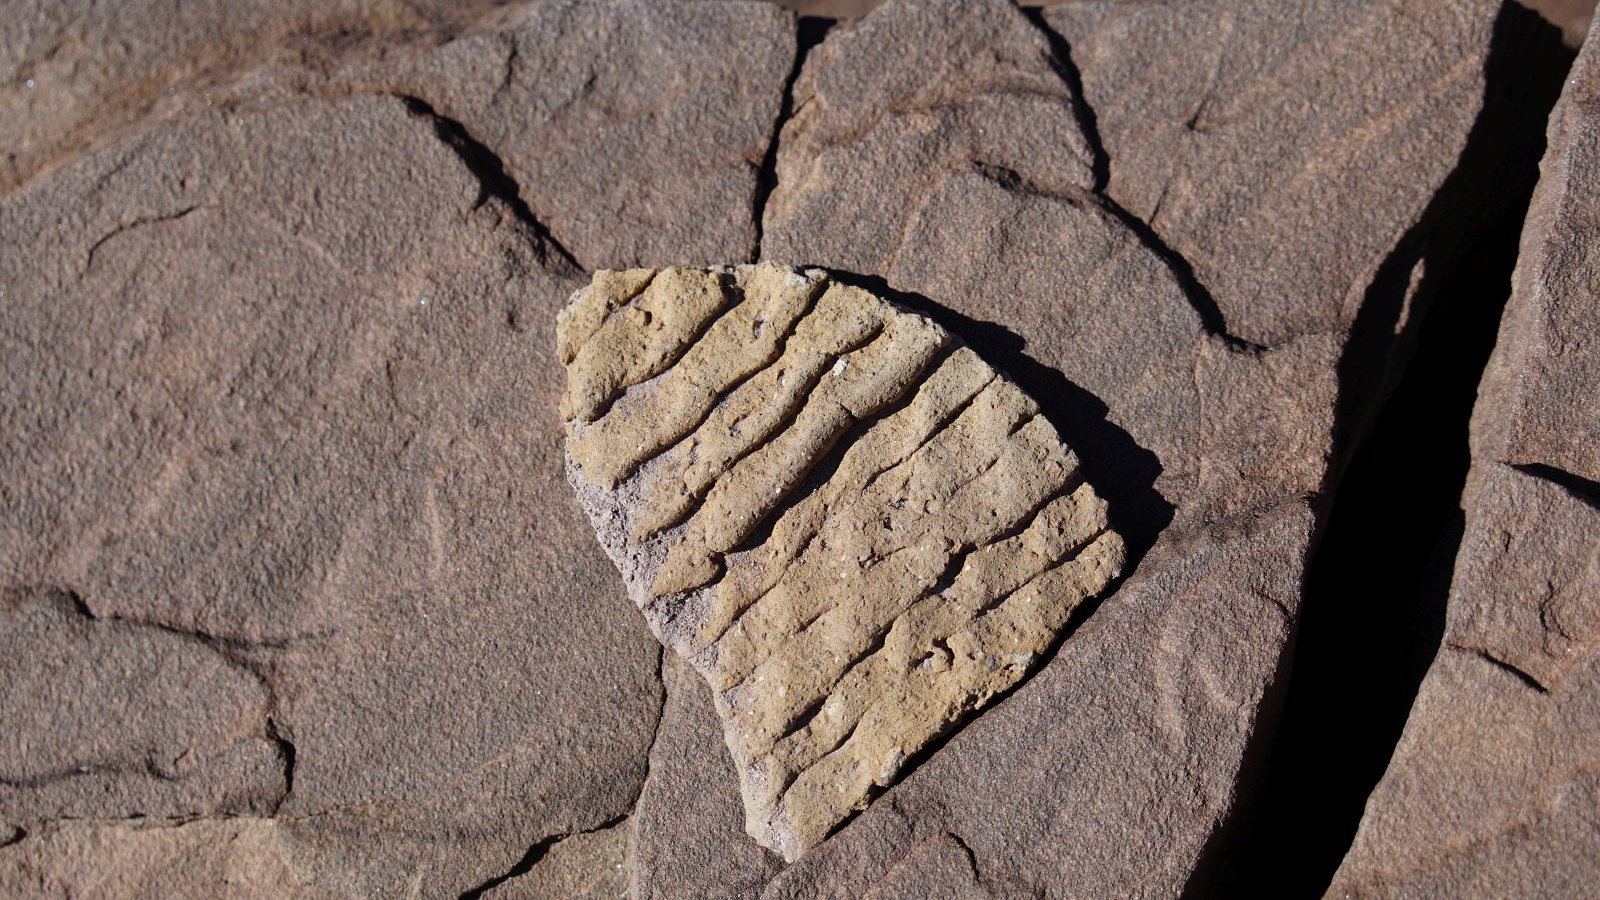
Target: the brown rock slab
pixel 636 130
pixel 77 72
pixel 1491 790
pixel 1233 143
pixel 235 433
pixel 240 857
pixel 279 412
pixel 1205 421
pixel 970 86
pixel 114 718
pixel 852 526
pixel 587 866
pixel 623 123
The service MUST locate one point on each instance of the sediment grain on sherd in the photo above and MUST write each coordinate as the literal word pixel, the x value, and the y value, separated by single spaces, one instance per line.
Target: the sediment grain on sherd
pixel 856 530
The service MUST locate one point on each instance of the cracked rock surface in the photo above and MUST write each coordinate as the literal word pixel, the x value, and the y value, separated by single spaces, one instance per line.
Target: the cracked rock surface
pixel 1492 790
pixel 295 598
pixel 321 560
pixel 853 527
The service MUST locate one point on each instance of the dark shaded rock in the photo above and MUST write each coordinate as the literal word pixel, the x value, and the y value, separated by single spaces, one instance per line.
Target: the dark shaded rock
pixel 1571 16
pixel 281 382
pixel 1491 791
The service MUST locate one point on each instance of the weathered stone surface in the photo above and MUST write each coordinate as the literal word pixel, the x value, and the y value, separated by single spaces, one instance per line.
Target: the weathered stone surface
pixel 855 529
pixel 569 95
pixel 1205 446
pixel 587 866
pixel 115 718
pixel 238 857
pixel 1090 779
pixel 970 88
pixel 1234 143
pixel 277 393
pixel 693 783
pixel 247 447
pixel 1491 791
pixel 636 129
pixel 73 72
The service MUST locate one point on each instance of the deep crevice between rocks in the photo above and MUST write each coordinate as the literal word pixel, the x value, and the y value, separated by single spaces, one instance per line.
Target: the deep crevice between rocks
pixel 1067 70
pixel 809 32
pixel 286 753
pixel 1375 590
pixel 493 179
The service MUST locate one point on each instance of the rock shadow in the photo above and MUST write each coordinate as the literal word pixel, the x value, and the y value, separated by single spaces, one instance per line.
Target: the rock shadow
pixel 1120 470
pixel 1377 584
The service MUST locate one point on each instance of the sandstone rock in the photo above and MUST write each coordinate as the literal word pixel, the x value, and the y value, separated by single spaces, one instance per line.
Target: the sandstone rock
pixel 635 129
pixel 116 718
pixel 1233 145
pixel 587 866
pixel 233 430
pixel 280 414
pixel 1202 397
pixel 1491 790
pixel 75 71
pixel 693 783
pixel 240 857
pixel 568 94
pixel 855 529
pixel 970 88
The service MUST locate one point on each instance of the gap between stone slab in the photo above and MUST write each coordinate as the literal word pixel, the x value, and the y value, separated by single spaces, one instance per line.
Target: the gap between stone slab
pixel 809 32
pixel 1376 586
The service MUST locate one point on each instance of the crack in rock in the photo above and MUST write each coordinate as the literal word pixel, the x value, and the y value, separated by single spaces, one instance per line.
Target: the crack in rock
pixel 493 180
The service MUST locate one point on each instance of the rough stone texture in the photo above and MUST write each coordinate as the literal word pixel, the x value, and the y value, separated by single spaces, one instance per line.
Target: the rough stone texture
pixel 587 866
pixel 854 528
pixel 71 72
pixel 693 780
pixel 567 94
pixel 280 415
pixel 118 718
pixel 243 451
pixel 1492 790
pixel 240 857
pixel 869 145
pixel 1235 156
pixel 1205 445
pixel 636 129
